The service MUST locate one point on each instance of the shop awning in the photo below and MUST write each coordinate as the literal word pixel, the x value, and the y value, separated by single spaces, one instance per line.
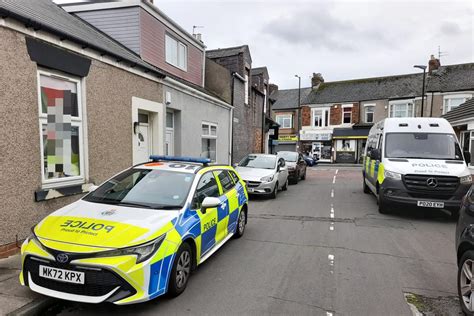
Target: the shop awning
pixel 350 133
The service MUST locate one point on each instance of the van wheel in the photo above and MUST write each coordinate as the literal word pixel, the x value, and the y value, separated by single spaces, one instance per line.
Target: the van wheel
pixel 382 205
pixel 465 278
pixel 366 187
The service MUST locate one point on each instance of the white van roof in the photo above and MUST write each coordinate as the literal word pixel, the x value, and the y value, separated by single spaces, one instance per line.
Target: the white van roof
pixel 414 125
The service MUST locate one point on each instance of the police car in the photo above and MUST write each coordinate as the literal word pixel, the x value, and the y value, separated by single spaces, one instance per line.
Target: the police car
pixel 137 236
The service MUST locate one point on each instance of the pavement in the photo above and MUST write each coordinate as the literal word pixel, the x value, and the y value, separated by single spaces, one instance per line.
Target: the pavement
pixel 320 248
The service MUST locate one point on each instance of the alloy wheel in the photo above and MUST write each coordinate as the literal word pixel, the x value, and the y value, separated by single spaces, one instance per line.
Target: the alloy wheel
pixel 183 269
pixel 241 222
pixel 466 286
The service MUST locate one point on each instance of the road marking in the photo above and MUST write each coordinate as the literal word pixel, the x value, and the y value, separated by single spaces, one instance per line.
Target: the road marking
pixel 334 180
pixel 331 260
pixel 337 170
pixel 332 193
pixel 331 227
pixel 329 314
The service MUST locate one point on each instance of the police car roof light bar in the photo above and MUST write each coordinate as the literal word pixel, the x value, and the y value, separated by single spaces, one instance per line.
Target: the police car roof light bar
pixel 203 161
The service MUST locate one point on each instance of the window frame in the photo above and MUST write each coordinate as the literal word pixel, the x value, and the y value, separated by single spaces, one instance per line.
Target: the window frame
pixel 178 45
pixel 224 190
pixel 449 97
pixel 284 117
pixel 398 103
pixel 209 135
pixel 76 121
pixel 344 107
pixel 324 122
pixel 366 106
pixel 193 200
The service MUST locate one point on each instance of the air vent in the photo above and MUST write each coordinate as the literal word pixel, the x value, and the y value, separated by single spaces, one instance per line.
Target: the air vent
pixel 403 125
pixel 434 125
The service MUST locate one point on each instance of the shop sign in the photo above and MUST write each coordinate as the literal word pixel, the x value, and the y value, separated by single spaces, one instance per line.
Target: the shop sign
pixel 288 138
pixel 306 135
pixel 345 156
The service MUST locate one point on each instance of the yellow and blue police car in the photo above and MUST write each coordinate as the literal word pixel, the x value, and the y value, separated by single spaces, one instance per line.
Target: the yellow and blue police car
pixel 137 236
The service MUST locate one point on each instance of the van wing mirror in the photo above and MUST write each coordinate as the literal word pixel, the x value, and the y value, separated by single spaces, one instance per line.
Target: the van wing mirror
pixel 467 157
pixel 375 154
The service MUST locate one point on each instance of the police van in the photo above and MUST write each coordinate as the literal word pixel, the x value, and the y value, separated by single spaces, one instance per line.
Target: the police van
pixel 415 162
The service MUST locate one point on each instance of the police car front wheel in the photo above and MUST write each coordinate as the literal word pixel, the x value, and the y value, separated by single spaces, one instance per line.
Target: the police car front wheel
pixel 241 224
pixel 181 270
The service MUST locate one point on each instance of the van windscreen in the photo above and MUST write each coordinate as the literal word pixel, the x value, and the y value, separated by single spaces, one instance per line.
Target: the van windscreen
pixel 422 146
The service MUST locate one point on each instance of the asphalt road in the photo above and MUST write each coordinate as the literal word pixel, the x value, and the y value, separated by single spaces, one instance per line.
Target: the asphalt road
pixel 321 248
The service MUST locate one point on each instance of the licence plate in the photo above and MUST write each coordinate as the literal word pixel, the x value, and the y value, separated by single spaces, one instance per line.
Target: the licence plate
pixel 62 275
pixel 431 204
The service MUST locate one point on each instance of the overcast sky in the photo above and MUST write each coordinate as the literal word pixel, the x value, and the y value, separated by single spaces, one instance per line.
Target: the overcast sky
pixel 340 39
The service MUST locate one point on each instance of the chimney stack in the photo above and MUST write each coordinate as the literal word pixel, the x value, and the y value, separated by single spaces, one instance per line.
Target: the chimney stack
pixel 198 36
pixel 272 88
pixel 316 80
pixel 433 64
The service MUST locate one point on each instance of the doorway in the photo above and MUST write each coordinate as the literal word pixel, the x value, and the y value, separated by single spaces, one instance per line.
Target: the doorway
pixel 143 140
pixel 169 137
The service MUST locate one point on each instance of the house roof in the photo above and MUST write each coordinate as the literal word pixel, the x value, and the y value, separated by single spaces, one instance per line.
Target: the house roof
pixel 464 111
pixel 288 99
pixel 45 15
pixel 451 78
pixel 446 78
pixel 229 51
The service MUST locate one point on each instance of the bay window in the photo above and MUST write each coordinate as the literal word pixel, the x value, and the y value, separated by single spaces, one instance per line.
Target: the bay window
pixel 60 121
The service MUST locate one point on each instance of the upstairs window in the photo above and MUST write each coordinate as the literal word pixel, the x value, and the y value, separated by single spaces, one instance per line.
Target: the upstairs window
pixel 402 110
pixel 453 101
pixel 285 121
pixel 369 113
pixel 176 53
pixel 346 115
pixel 320 117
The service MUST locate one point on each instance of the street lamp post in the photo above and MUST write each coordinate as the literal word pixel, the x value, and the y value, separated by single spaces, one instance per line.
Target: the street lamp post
pixel 423 67
pixel 299 109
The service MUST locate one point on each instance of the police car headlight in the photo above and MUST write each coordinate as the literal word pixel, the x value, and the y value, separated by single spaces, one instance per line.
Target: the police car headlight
pixel 143 252
pixel 465 179
pixel 392 175
pixel 267 179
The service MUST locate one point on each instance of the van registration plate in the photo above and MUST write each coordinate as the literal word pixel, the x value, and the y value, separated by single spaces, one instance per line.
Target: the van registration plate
pixel 62 275
pixel 431 204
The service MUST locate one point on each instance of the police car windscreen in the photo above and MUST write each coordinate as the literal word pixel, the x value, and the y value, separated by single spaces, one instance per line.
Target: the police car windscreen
pixel 422 146
pixel 259 162
pixel 157 189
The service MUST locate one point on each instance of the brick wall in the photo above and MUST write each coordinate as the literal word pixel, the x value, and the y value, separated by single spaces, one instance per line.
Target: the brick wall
pixel 336 114
pixel 305 116
pixel 10 249
pixel 355 113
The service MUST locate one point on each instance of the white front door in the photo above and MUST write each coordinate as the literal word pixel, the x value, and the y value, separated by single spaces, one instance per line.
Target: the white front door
pixel 142 141
pixel 169 142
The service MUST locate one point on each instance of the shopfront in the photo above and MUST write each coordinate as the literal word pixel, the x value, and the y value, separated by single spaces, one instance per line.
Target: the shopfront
pixel 349 144
pixel 287 143
pixel 317 143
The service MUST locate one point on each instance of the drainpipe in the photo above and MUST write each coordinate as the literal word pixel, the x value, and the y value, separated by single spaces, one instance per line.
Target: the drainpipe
pixel 431 107
pixel 263 123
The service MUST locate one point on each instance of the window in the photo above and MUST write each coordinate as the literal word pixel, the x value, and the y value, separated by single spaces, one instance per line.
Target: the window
pixel 401 110
pixel 60 121
pixel 246 87
pixel 169 119
pixel 320 117
pixel 285 121
pixel 453 101
pixel 206 187
pixel 209 139
pixel 176 52
pixel 369 113
pixel 225 180
pixel 346 115
pixel 235 178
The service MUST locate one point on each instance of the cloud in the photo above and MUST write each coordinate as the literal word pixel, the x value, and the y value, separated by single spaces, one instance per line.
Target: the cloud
pixel 450 28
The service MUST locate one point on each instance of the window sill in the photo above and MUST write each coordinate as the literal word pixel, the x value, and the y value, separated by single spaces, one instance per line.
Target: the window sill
pixel 59 192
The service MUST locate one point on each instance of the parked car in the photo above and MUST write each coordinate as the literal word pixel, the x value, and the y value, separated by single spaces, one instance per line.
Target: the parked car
pixel 310 161
pixel 295 164
pixel 137 236
pixel 263 174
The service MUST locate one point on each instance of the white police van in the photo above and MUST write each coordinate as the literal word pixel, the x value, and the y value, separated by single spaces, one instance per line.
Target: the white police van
pixel 415 162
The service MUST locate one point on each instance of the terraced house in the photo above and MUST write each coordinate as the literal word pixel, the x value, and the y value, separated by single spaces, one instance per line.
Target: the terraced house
pixel 89 90
pixel 336 116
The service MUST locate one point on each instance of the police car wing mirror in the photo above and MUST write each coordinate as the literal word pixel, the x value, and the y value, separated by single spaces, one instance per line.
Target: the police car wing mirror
pixel 235 165
pixel 467 157
pixel 209 202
